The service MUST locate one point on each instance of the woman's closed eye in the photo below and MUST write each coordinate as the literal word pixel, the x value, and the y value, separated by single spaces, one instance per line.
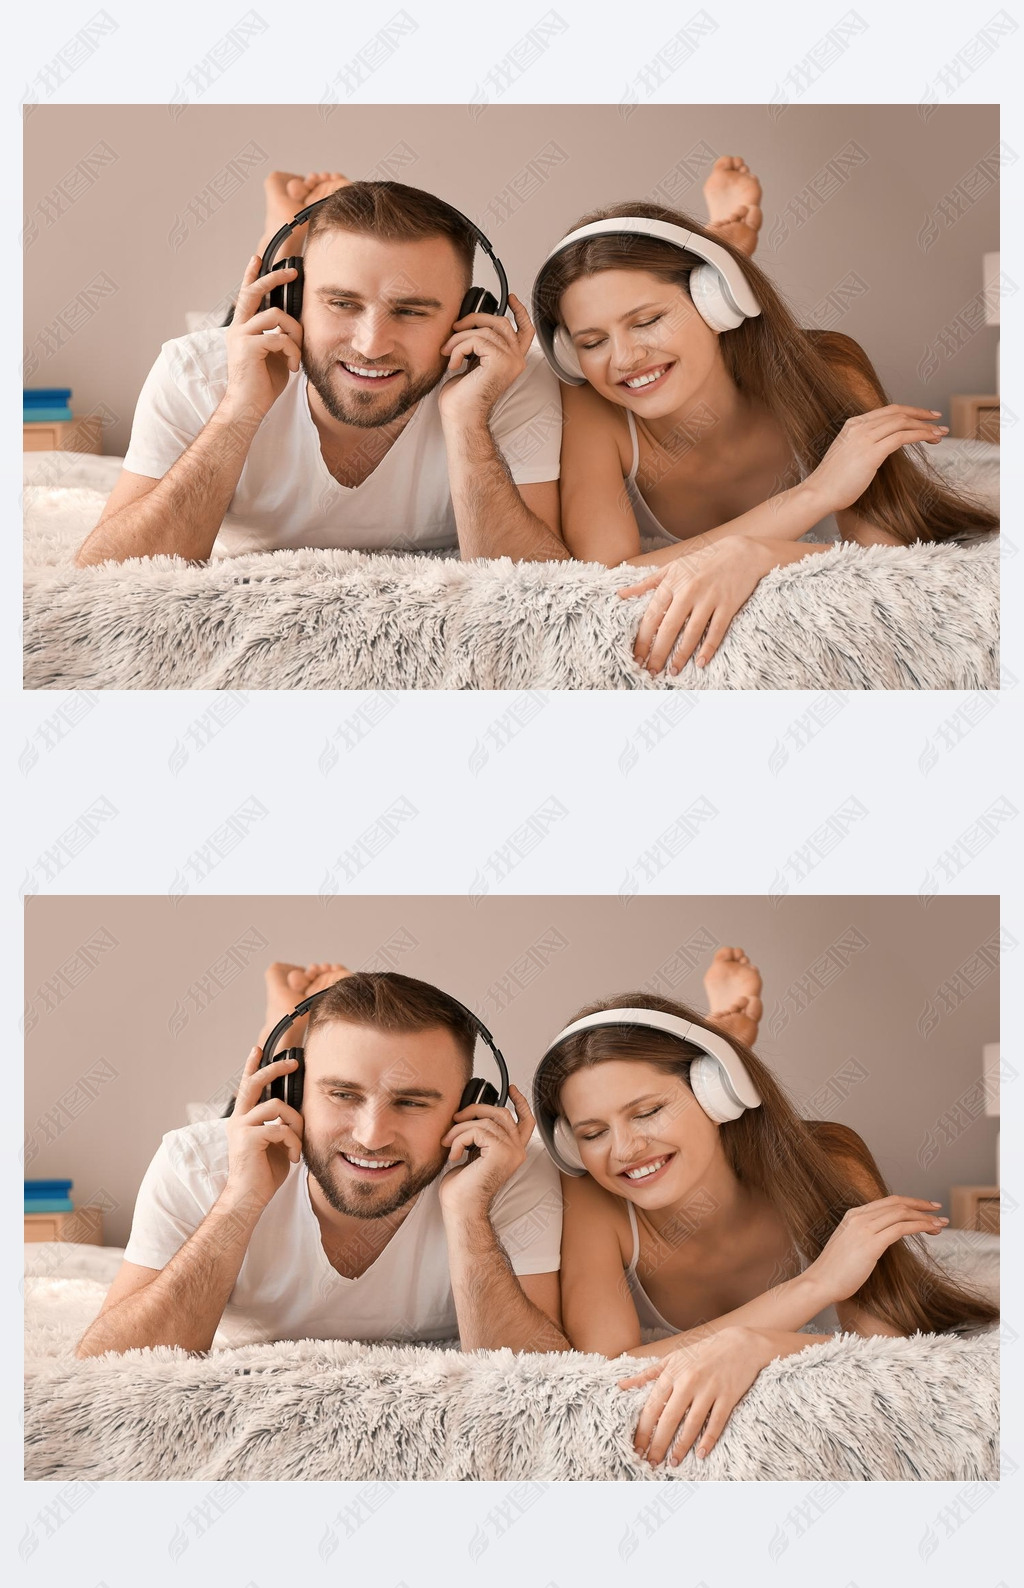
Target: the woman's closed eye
pixel 639 325
pixel 648 1114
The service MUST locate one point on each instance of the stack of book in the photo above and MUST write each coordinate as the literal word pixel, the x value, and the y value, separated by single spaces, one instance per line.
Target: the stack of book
pixel 49 403
pixel 48 1196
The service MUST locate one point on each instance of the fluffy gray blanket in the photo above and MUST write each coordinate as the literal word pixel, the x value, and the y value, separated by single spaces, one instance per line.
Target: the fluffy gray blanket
pixel 924 617
pixel 926 1407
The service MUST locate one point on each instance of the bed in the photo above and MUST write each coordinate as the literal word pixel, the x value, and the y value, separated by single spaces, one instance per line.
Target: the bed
pixel 849 1409
pixel 920 617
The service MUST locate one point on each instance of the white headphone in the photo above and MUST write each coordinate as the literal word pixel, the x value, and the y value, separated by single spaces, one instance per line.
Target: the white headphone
pixel 718 1078
pixel 721 294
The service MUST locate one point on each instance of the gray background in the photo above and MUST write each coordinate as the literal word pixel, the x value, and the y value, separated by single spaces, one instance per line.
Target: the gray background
pixel 171 1012
pixel 144 219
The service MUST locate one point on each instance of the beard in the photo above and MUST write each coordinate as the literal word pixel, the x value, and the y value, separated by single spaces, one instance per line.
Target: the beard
pixel 363 1199
pixel 364 408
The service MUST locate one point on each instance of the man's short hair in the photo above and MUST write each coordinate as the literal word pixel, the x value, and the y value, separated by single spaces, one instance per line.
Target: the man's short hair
pixel 394 213
pixel 390 1002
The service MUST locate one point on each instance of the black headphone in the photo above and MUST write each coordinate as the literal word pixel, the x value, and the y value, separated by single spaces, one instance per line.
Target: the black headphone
pixel 288 296
pixel 288 1088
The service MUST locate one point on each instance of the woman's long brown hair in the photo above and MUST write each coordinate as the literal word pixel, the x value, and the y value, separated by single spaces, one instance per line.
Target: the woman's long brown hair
pixel 811 1172
pixel 805 379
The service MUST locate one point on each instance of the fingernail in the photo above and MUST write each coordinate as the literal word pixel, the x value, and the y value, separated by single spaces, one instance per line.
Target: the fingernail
pixel 935 1204
pixel 943 1221
pixel 701 1452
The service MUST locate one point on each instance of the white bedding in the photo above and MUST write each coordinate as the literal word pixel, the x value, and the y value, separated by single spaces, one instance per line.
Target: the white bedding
pixel 921 617
pixel 926 1407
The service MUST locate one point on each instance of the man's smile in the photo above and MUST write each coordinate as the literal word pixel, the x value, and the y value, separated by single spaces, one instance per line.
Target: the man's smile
pixel 365 375
pixel 369 1168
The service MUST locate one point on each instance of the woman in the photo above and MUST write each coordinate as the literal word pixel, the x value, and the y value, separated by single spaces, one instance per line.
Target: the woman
pixel 727 446
pixel 722 1240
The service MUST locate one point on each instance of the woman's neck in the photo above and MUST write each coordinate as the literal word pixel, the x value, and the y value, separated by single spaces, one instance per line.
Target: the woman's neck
pixel 717 1210
pixel 715 418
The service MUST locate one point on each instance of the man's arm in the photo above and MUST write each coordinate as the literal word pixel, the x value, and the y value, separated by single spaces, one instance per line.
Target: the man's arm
pixel 184 1303
pixel 180 514
pixel 494 1306
pixel 491 1304
pixel 494 517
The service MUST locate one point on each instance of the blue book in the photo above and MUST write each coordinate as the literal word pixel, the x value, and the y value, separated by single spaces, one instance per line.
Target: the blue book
pixel 49 1205
pixel 48 1187
pixel 46 396
pixel 48 416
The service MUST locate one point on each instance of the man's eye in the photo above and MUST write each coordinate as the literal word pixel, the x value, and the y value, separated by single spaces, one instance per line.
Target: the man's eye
pixel 341 303
pixel 412 314
pixel 410 1102
pixel 343 1097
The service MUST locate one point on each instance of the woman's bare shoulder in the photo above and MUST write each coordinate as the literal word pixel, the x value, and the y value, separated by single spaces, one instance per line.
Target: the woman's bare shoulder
pixel 592 1212
pixel 599 421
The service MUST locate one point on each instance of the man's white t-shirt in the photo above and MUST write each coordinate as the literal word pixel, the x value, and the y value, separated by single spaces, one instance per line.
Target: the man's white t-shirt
pixel 287 1287
pixel 286 496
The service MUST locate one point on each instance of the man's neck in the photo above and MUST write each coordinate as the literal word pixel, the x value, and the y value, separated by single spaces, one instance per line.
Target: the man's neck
pixel 350 1244
pixel 352 452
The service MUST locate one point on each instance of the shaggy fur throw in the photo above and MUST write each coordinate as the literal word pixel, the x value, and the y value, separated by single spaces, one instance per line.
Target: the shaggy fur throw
pixel 922 617
pixel 926 1407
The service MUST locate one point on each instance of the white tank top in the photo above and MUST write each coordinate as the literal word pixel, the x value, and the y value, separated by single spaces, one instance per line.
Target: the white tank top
pixel 654 1327
pixel 649 527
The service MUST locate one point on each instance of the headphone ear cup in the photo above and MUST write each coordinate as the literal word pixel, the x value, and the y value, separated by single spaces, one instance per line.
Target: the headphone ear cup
pixel 288 296
pixel 709 1089
pixel 477 1091
pixel 565 1142
pixel 478 301
pixel 712 301
pixel 566 353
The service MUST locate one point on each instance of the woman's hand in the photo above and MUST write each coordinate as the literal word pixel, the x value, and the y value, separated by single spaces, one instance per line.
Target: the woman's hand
pixel 864 1233
pixel 862 446
pixel 695 1388
pixel 694 599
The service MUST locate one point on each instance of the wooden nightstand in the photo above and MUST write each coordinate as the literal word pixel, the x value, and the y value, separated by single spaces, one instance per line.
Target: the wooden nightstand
pixel 974 418
pixel 975 1207
pixel 83 1225
pixel 63 435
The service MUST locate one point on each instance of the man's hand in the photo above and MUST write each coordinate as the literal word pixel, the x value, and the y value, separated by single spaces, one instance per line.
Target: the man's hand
pixel 264 345
pixel 501 1142
pixel 501 350
pixel 264 1139
pixel 695 1388
pixel 693 601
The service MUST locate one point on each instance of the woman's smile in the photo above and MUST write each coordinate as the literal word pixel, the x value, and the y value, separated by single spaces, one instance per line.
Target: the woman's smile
pixel 648 1170
pixel 648 379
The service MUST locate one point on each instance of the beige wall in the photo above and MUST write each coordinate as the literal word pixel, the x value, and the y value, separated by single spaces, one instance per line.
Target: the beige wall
pixel 135 216
pixel 137 1006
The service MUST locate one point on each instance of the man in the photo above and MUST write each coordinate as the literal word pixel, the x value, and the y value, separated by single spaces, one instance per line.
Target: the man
pixel 380 422
pixel 354 1218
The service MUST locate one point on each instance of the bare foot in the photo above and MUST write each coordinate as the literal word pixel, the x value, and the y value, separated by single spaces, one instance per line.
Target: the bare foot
pixel 732 194
pixel 286 194
pixel 287 985
pixel 733 988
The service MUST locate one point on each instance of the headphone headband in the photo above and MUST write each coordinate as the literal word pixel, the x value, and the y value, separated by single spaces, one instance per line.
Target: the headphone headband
pixel 718 278
pixel 273 1040
pixel 273 247
pixel 729 1073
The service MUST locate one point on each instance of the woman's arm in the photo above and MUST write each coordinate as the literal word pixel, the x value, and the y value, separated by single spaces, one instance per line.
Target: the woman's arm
pixel 597 1309
pixel 841 478
pixel 598 524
